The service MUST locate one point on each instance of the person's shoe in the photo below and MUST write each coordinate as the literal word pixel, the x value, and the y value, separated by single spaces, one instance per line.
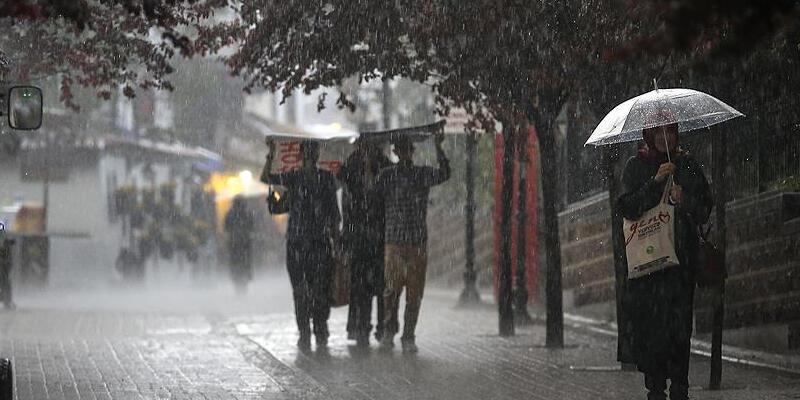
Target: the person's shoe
pixel 387 343
pixel 409 346
pixel 304 343
pixel 678 392
pixel 322 341
pixel 352 336
pixel 362 341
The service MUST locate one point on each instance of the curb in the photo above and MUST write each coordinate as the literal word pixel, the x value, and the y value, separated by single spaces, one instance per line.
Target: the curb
pixel 732 354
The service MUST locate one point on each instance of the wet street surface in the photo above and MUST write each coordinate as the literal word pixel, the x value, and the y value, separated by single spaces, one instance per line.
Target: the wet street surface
pixel 208 343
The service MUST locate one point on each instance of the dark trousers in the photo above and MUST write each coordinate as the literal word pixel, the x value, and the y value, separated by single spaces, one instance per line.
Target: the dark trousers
pixel 656 382
pixel 310 269
pixel 367 282
pixel 405 268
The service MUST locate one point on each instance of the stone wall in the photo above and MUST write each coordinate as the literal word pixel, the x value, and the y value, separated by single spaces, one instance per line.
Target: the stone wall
pixel 586 254
pixel 763 258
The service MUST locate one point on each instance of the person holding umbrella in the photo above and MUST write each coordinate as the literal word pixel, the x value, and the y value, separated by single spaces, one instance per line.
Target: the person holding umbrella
pixel 662 177
pixel 311 238
pixel 662 302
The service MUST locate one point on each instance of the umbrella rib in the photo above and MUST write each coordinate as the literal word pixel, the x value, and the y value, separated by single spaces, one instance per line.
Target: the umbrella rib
pixel 627 115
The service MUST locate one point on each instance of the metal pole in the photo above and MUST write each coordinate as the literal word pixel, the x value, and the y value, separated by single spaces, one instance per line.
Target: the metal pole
pixel 504 299
pixel 719 154
pixel 521 315
pixel 469 296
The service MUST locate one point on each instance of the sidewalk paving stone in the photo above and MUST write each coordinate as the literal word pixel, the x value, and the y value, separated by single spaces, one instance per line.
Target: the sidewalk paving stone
pixel 90 355
pixel 249 353
pixel 462 357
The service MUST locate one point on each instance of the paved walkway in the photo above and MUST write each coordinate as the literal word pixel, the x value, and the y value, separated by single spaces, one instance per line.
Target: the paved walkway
pixel 210 344
pixel 461 357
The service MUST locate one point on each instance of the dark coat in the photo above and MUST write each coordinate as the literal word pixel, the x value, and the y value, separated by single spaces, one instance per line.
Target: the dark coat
pixel 313 210
pixel 364 223
pixel 363 207
pixel 661 305
pixel 239 223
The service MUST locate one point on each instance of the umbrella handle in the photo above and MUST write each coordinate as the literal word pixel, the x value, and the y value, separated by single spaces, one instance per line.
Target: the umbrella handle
pixel 667 187
pixel 670 179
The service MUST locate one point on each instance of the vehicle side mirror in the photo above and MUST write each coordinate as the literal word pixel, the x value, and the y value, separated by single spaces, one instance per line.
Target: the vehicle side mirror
pixel 25 107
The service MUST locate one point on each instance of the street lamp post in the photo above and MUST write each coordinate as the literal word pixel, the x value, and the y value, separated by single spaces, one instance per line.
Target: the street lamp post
pixel 470 296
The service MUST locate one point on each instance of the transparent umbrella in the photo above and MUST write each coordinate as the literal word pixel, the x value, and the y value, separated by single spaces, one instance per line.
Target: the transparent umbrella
pixel 690 109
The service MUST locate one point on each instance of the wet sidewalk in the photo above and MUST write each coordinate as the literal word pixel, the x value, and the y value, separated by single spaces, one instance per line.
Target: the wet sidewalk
pixel 102 356
pixel 128 343
pixel 211 344
pixel 462 357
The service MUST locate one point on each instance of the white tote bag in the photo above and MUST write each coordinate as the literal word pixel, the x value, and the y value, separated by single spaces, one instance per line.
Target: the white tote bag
pixel 650 240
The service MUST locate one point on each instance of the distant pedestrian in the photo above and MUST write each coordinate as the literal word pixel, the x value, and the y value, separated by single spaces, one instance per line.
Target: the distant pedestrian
pixel 363 238
pixel 405 188
pixel 5 269
pixel 662 302
pixel 239 224
pixel 310 239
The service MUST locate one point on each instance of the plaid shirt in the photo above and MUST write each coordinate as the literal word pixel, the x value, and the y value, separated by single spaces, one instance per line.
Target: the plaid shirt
pixel 405 188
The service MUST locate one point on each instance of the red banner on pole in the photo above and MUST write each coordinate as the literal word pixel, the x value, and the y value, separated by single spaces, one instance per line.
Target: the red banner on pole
pixel 532 218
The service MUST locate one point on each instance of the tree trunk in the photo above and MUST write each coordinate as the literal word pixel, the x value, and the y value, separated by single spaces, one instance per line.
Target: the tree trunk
pixel 504 299
pixel 521 316
pixel 552 244
pixel 543 115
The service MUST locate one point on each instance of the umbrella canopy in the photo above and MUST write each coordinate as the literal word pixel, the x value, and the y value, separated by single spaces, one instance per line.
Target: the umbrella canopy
pixel 690 109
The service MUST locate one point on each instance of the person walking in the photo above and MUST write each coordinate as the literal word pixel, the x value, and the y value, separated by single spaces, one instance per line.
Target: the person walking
pixel 405 188
pixel 239 223
pixel 662 302
pixel 310 239
pixel 363 238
